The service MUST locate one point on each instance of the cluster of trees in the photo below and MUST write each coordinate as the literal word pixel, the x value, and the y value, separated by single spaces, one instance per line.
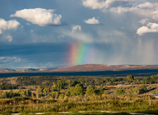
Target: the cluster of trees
pixel 18 93
pixel 150 80
pixel 60 90
pixel 53 86
pixel 132 91
pixel 87 80
pixel 5 87
pixel 68 88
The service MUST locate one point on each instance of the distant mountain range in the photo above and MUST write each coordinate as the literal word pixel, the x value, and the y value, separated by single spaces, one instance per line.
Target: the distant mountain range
pixel 82 68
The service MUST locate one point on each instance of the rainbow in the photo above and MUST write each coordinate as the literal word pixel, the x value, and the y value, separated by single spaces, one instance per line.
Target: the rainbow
pixel 80 53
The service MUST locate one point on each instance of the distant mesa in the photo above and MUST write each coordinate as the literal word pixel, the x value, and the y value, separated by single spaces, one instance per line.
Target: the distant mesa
pixel 82 68
pixel 102 67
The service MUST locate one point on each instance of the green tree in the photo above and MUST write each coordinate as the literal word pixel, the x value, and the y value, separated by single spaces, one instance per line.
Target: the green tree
pixel 155 91
pixel 130 78
pixel 89 91
pixel 78 90
pixel 143 89
pixel 107 79
pixel 119 92
pixel 32 95
pixel 81 80
pixel 69 83
pixel 68 93
pixel 99 91
pixel 46 91
pixel 5 95
pixel 38 90
pixel 27 92
pixel 60 84
pixel 136 90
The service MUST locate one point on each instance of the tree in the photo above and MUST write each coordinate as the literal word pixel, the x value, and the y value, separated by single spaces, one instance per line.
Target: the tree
pixel 143 89
pixel 69 83
pixel 38 90
pixel 99 91
pixel 60 84
pixel 45 91
pixel 77 90
pixel 5 95
pixel 98 82
pixel 68 93
pixel 22 93
pixel 89 91
pixel 119 92
pixel 81 80
pixel 136 90
pixel 54 87
pixel 32 95
pixel 155 91
pixel 27 92
pixel 107 79
pixel 130 78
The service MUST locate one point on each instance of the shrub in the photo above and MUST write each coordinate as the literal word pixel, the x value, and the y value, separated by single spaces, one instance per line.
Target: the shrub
pixel 119 92
pixel 89 91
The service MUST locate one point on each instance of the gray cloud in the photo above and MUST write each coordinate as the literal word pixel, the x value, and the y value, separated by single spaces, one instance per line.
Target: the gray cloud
pixel 9 59
pixel 76 28
pixel 9 38
pixel 143 21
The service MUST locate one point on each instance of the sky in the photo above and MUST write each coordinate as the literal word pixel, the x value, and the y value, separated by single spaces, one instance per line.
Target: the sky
pixel 61 33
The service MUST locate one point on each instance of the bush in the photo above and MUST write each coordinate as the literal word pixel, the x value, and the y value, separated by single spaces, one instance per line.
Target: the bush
pixel 119 92
pixel 143 89
pixel 99 91
pixel 89 91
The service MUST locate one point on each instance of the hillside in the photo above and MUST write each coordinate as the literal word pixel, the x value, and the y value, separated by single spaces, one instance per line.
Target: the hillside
pixel 102 67
pixel 81 68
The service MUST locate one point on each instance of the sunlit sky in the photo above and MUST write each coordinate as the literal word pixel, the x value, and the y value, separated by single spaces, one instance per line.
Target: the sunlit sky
pixel 60 33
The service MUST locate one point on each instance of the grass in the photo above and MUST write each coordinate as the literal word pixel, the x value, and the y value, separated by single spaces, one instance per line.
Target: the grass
pixel 94 104
pixel 138 105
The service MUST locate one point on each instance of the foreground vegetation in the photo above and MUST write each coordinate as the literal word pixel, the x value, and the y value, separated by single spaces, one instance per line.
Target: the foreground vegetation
pixel 52 94
pixel 78 103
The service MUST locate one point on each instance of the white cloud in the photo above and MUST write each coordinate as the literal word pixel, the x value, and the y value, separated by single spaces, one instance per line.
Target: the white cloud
pixel 144 21
pixel 39 16
pixel 76 28
pixel 9 38
pixel 96 4
pixel 92 21
pixel 102 4
pixel 146 9
pixel 150 28
pixel 7 25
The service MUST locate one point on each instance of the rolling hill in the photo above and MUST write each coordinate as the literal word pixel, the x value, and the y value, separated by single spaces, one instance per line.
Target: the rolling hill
pixel 82 68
